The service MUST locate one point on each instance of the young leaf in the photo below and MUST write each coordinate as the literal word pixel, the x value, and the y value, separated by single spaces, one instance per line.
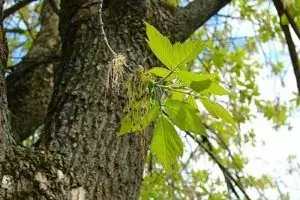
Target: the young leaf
pixel 191 100
pixel 217 111
pixel 177 96
pixel 187 51
pixel 199 86
pixel 216 89
pixel 162 72
pixel 159 71
pixel 188 77
pixel 160 45
pixel 166 144
pixel 195 81
pixel 172 56
pixel 185 116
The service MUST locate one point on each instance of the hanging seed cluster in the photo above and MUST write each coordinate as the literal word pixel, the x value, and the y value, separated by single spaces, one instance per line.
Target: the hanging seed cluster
pixel 138 97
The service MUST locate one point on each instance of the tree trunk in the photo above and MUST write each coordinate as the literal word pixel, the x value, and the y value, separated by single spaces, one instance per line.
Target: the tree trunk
pixel 79 155
pixel 84 115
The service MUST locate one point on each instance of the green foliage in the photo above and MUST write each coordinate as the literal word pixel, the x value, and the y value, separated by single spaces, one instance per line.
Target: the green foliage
pixel 172 56
pixel 159 71
pixel 230 61
pixel 278 113
pixel 148 97
pixel 217 111
pixel 184 115
pixel 166 144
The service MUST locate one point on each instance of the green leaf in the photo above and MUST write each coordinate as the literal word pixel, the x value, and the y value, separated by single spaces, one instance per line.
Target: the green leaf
pixel 297 3
pixel 217 111
pixel 134 122
pixel 217 89
pixel 187 51
pixel 199 86
pixel 160 45
pixel 166 144
pixel 195 81
pixel 185 116
pixel 159 71
pixel 190 100
pixel 188 77
pixel 177 95
pixel 172 56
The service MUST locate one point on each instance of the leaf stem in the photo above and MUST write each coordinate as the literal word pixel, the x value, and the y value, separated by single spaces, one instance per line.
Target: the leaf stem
pixel 176 90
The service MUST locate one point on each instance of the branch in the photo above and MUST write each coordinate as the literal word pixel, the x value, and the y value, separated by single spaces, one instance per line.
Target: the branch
pixel 227 174
pixel 16 7
pixel 191 17
pixel 15 30
pixel 290 43
pixel 293 23
pixel 289 17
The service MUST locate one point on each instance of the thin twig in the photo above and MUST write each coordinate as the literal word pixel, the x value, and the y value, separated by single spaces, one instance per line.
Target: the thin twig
pixel 226 177
pixel 224 170
pixel 101 25
pixel 26 24
pixel 16 7
pixel 15 30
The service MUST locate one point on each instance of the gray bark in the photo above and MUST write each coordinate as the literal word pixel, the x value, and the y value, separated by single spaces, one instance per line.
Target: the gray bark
pixel 5 138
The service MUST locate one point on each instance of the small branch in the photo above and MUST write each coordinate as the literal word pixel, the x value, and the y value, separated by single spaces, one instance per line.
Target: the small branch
pixel 289 17
pixel 291 45
pixel 293 24
pixel 34 62
pixel 225 174
pixel 195 14
pixel 16 7
pixel 101 24
pixel 15 30
pixel 223 169
pixel 27 25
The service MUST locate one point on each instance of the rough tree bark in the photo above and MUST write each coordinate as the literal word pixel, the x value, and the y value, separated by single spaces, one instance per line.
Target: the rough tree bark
pixel 4 122
pixel 79 156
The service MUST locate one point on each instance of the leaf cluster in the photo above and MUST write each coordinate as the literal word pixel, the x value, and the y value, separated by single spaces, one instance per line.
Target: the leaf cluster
pixel 169 98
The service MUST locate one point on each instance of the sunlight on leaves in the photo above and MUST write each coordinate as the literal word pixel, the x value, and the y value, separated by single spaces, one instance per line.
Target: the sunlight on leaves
pixel 166 144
